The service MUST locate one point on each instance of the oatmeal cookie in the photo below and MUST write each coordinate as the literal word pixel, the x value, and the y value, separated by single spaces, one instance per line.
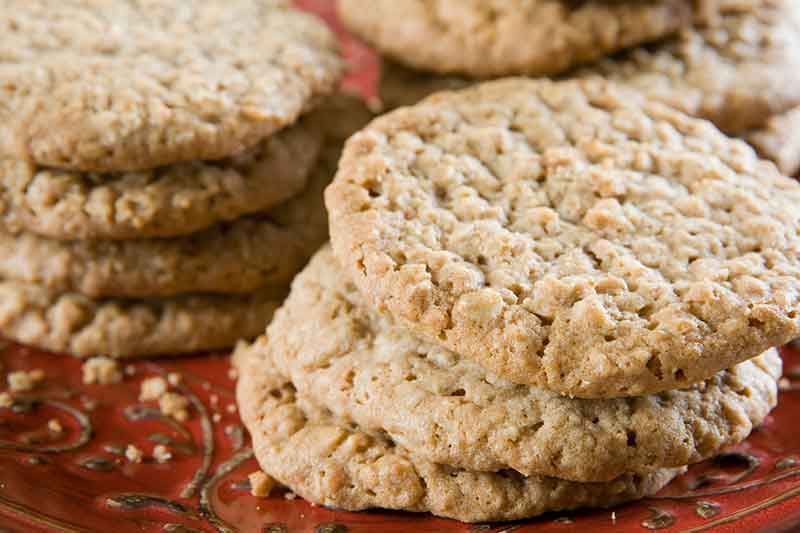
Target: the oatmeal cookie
pixel 481 38
pixel 570 235
pixel 72 323
pixel 449 410
pixel 343 467
pixel 121 85
pixel 234 257
pixel 166 202
pixel 736 68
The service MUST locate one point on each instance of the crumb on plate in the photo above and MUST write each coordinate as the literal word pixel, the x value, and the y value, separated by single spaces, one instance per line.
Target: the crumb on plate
pixel 133 454
pixel 22 380
pixel 153 388
pixel 161 454
pixel 101 371
pixel 260 484
pixel 175 406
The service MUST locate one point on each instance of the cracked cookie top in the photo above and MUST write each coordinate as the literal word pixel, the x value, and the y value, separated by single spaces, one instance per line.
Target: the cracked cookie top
pixel 570 235
pixel 115 85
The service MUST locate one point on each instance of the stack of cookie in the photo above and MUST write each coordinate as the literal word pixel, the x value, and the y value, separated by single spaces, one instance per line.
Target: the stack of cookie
pixel 161 176
pixel 539 296
pixel 732 62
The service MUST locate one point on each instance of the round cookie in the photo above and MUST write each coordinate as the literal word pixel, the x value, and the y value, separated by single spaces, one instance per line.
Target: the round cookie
pixel 570 235
pixel 345 468
pixel 779 141
pixel 235 257
pixel 480 38
pixel 449 410
pixel 739 66
pixel 72 323
pixel 165 202
pixel 128 85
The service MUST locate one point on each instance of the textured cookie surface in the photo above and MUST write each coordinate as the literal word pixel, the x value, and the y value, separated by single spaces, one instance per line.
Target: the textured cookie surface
pixel 72 323
pixel 483 38
pixel 343 467
pixel 740 65
pixel 779 141
pixel 449 410
pixel 236 257
pixel 231 258
pixel 567 235
pixel 134 84
pixel 166 202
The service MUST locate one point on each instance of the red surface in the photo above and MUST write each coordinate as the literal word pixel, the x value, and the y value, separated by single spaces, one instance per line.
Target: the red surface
pixel 54 492
pixel 62 495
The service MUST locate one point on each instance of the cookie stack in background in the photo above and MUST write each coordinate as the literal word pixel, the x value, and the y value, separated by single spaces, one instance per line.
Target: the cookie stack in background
pixel 734 63
pixel 162 169
pixel 540 296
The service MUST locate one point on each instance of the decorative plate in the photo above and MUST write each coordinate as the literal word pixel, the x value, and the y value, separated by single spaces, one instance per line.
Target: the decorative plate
pixel 78 479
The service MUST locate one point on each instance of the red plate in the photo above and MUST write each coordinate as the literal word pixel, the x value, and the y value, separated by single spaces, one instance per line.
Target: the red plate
pixel 79 481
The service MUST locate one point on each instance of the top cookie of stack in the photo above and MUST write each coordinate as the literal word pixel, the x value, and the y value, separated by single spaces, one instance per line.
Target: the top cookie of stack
pixel 153 155
pixel 131 85
pixel 571 235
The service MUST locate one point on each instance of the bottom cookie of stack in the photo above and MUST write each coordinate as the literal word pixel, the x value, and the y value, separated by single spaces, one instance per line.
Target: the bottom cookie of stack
pixel 344 467
pixel 75 324
pixel 385 420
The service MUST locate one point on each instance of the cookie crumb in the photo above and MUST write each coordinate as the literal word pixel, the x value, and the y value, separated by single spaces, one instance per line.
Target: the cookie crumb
pixel 130 370
pixel 6 400
pixel 213 400
pixel 233 374
pixel 260 484
pixel 21 380
pixel 133 454
pixel 216 417
pixel 290 495
pixel 152 388
pixel 54 426
pixel 175 406
pixel 614 516
pixel 101 371
pixel 784 384
pixel 161 454
pixel 174 379
pixel 89 404
pixel 231 408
